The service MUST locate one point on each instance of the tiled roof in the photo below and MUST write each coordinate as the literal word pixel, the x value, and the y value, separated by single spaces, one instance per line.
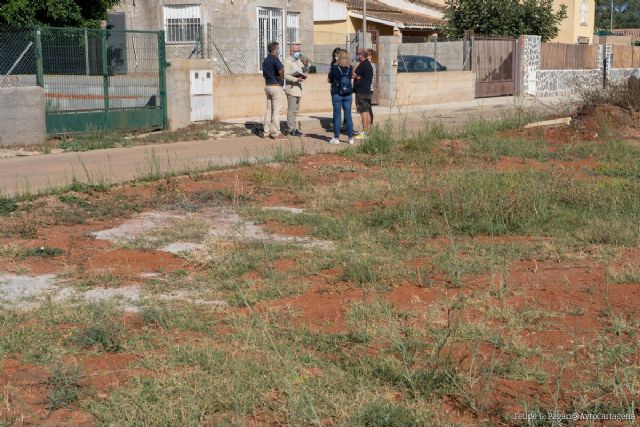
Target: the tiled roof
pixel 381 11
pixel 430 4
pixel 372 5
pixel 408 19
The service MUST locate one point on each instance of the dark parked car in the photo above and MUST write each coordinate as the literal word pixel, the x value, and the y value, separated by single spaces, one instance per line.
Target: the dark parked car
pixel 418 64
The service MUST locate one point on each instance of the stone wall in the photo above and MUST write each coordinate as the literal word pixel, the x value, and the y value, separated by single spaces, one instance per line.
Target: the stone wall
pixel 619 75
pixel 22 116
pixel 530 47
pixel 552 83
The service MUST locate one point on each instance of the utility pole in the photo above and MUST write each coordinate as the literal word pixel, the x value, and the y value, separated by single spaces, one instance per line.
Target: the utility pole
pixel 364 24
pixel 611 21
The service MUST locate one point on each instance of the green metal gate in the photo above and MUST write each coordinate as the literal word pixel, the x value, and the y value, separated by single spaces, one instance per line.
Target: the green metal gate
pixel 101 79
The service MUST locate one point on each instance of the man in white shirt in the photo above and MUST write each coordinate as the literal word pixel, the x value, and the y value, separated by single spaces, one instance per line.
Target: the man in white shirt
pixel 294 74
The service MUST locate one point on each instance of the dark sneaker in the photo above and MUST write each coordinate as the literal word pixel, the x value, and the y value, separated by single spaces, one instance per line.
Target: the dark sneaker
pixel 296 132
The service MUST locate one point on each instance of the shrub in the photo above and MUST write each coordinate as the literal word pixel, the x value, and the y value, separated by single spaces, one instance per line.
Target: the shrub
pixel 7 205
pixel 104 335
pixel 379 141
pixel 64 387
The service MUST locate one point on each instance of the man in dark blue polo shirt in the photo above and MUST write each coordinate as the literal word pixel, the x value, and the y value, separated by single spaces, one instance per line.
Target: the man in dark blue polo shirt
pixel 273 73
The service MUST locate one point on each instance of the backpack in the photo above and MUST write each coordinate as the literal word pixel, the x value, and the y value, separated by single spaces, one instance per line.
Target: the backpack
pixel 345 87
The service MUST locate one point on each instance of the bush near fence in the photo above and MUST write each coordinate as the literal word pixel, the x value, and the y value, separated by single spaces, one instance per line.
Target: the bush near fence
pixel 560 56
pixel 626 57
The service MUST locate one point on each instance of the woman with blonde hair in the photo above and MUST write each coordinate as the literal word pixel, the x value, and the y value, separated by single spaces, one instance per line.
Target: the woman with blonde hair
pixel 341 77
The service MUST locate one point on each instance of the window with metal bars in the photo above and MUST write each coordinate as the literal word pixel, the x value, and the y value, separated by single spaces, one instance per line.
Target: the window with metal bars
pixel 293 27
pixel 182 23
pixel 269 30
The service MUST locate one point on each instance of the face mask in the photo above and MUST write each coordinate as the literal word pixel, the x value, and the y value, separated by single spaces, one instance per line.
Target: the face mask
pixel 296 55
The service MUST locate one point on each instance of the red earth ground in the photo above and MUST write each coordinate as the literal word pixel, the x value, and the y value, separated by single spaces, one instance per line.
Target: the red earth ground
pixel 556 287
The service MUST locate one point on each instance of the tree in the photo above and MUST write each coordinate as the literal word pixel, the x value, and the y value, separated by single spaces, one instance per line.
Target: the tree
pixel 503 17
pixel 626 14
pixel 57 13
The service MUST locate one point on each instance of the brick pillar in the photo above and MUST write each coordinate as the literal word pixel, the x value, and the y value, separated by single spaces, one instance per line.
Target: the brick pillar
pixel 531 48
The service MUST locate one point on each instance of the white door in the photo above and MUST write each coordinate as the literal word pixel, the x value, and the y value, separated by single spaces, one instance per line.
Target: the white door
pixel 201 95
pixel 269 30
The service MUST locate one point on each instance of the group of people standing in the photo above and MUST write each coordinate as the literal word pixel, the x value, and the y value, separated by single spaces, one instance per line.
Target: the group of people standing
pixel 345 81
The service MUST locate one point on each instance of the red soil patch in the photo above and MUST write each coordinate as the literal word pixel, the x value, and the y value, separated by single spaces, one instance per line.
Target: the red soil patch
pixel 322 307
pixel 27 390
pixel 319 160
pixel 132 263
pixel 607 116
pixel 107 372
pixel 327 168
pixel 283 265
pixel 275 227
pixel 588 124
pixel 410 297
pixel 67 417
pixel 280 199
pixel 87 253
pixel 236 181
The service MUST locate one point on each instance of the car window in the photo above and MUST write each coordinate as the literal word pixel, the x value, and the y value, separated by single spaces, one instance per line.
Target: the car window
pixel 421 65
pixel 405 64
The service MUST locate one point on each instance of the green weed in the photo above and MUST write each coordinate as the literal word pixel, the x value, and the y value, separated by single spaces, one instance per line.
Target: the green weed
pixel 105 336
pixel 379 141
pixel 7 206
pixel 64 387
pixel 93 141
pixel 41 252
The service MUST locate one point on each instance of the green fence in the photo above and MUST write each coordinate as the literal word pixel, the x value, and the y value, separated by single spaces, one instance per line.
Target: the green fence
pixel 93 79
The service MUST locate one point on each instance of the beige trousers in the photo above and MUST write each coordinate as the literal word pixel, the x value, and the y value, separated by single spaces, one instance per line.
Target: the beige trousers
pixel 275 99
pixel 293 104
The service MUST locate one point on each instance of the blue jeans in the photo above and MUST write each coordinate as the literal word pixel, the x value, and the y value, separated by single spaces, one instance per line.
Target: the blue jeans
pixel 342 103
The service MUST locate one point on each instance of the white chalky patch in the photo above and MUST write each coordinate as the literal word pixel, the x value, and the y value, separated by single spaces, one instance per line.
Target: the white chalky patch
pixel 284 209
pixel 223 223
